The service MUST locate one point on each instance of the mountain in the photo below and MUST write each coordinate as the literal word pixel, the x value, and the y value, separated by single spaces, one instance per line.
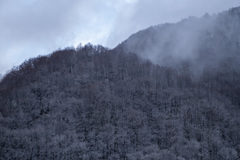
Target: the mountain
pixel 168 92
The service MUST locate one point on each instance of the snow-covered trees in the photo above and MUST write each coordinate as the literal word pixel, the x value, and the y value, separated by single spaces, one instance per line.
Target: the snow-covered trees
pixel 115 106
pixel 96 103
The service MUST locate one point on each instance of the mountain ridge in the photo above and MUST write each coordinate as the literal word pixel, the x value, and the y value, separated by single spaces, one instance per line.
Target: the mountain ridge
pixel 95 103
pixel 170 44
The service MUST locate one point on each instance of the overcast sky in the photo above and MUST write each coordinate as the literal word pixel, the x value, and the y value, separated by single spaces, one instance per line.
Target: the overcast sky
pixel 29 28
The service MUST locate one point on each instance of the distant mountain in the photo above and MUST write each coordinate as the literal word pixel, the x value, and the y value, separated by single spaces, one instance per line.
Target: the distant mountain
pixel 94 103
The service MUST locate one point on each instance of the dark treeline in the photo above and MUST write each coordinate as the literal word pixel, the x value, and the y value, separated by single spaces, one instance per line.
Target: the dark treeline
pixel 94 103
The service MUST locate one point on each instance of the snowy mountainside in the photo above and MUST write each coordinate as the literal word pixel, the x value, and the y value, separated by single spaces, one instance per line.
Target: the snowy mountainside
pixel 95 103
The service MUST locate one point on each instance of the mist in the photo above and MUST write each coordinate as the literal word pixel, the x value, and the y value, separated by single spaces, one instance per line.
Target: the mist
pixel 145 13
pixel 201 42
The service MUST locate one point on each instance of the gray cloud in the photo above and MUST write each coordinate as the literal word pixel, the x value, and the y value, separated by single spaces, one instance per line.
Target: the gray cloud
pixel 31 27
pixel 37 21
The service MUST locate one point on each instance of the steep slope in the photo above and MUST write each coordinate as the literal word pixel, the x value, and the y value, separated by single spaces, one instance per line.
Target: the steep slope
pixel 99 104
pixel 95 103
pixel 206 47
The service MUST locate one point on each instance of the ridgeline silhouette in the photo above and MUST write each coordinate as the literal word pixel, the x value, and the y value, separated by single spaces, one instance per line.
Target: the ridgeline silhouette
pixel 168 92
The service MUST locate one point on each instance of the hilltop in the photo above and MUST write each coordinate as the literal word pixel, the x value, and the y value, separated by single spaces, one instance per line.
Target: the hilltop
pixel 168 92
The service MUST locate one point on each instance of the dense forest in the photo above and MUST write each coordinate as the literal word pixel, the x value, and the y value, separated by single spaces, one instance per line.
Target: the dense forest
pixel 168 92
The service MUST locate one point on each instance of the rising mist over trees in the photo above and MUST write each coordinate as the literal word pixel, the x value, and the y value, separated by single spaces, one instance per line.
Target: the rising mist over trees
pixel 204 43
pixel 96 103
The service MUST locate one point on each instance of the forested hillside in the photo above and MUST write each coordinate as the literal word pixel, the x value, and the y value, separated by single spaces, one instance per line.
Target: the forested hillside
pixel 96 103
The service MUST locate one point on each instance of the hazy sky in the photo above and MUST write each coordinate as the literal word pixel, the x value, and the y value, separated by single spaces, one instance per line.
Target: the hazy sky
pixel 29 28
